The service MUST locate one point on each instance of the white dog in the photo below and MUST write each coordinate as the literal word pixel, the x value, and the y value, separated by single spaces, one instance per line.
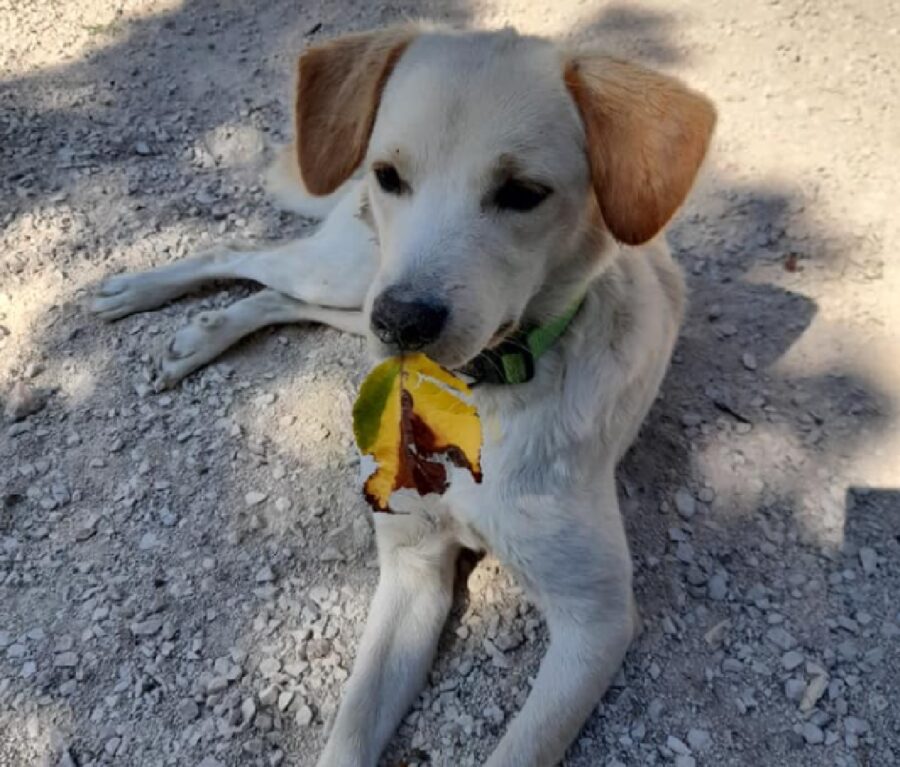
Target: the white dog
pixel 506 221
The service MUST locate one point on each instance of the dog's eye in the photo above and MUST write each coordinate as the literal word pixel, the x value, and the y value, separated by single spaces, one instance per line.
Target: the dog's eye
pixel 520 195
pixel 388 179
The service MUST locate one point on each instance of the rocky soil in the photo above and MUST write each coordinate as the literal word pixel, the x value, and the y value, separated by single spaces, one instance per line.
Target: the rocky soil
pixel 184 576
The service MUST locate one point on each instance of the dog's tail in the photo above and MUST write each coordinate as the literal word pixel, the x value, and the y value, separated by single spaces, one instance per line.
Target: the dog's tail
pixel 286 188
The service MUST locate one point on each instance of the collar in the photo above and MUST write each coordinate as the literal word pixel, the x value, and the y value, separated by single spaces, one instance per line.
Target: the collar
pixel 513 360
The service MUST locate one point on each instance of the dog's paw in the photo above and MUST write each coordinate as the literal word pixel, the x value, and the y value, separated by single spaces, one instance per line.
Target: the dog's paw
pixel 125 294
pixel 190 348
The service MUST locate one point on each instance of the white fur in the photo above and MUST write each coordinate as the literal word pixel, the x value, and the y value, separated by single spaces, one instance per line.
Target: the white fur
pixel 547 506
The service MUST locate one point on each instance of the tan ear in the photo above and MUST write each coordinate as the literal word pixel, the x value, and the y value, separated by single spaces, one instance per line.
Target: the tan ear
pixel 647 135
pixel 338 91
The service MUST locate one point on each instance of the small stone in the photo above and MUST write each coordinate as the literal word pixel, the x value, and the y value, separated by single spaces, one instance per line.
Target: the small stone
pixel 855 726
pixel 87 528
pixel 748 360
pixel 676 745
pixel 268 696
pixel 188 710
pixel 148 627
pixel 255 498
pixel 23 401
pixel 265 575
pixel 112 745
pixel 868 559
pixel 685 760
pixel 142 148
pixel 16 650
pixel 210 761
pixel 248 710
pixel 66 660
pixel 285 699
pixel 812 733
pixel 717 587
pixel 331 554
pixel 148 541
pixel 794 689
pixel 269 666
pixel 263 722
pixel 304 716
pixel 814 692
pixel 698 740
pixel 216 684
pixel 791 660
pixel 781 638
pixel 29 669
pixel 684 503
pixel 684 552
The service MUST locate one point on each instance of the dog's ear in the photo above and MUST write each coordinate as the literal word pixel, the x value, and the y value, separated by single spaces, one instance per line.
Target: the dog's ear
pixel 338 91
pixel 647 135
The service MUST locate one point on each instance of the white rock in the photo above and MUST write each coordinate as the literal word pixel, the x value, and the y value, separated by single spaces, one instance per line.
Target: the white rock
pixel 698 740
pixel 812 734
pixel 685 504
pixel 304 716
pixel 268 696
pixel 676 745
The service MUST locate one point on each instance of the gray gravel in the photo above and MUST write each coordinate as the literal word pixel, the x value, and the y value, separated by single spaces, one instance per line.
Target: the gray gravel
pixel 184 577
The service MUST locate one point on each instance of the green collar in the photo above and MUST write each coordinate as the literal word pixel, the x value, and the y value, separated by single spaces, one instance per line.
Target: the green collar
pixel 513 360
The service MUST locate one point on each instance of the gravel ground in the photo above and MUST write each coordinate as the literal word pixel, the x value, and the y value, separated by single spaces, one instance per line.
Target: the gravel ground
pixel 184 577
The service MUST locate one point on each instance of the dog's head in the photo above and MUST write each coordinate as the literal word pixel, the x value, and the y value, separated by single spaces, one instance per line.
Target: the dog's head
pixel 495 164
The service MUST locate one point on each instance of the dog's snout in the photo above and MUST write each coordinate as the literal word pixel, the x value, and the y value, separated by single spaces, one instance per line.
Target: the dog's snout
pixel 409 323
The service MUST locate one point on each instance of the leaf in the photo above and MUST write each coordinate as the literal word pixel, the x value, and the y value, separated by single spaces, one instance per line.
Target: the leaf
pixel 413 417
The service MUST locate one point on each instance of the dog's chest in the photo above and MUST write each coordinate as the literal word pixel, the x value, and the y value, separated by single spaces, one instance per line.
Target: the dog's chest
pixel 513 466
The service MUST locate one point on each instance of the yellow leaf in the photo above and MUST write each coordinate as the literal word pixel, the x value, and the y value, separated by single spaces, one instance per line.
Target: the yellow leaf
pixel 414 418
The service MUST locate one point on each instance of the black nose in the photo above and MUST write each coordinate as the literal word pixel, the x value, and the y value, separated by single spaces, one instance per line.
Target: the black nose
pixel 409 323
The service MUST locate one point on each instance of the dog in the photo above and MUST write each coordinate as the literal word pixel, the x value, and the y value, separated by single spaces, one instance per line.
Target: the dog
pixel 475 187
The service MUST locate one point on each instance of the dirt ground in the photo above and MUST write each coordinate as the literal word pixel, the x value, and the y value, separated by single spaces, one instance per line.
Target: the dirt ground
pixel 184 576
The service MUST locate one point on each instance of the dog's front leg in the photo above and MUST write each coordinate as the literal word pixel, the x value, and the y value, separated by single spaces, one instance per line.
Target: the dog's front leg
pixel 575 558
pixel 411 603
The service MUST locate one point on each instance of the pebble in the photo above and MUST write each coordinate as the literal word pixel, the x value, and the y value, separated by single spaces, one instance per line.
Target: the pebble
pixel 255 498
pixel 147 627
pixel 794 689
pixel 304 716
pixel 781 638
pixel 717 587
pixel 676 745
pixel 868 559
pixel 188 710
pixel 285 699
pixel 268 696
pixel 265 575
pixel 66 660
pixel 748 359
pixel 855 726
pixel 684 503
pixel 812 733
pixel 23 401
pixel 791 660
pixel 685 760
pixel 684 552
pixel 269 666
pixel 699 740
pixel 814 692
